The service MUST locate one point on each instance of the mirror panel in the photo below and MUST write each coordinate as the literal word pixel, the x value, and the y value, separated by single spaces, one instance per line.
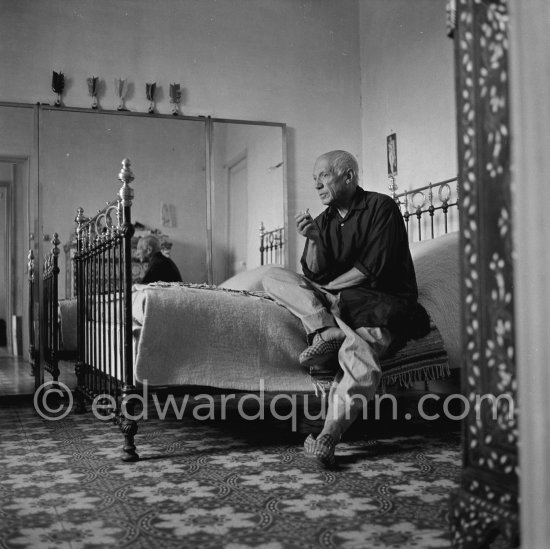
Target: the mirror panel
pixel 248 189
pixel 80 157
pixel 18 222
pixel 207 184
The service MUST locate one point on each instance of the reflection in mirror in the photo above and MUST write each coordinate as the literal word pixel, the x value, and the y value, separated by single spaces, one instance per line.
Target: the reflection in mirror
pixel 248 189
pixel 17 224
pixel 80 155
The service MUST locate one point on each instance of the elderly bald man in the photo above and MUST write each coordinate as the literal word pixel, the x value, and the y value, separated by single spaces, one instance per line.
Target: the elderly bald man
pixel 161 268
pixel 357 298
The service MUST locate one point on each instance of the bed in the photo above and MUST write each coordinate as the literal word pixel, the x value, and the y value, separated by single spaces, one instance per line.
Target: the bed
pixel 232 337
pixel 56 331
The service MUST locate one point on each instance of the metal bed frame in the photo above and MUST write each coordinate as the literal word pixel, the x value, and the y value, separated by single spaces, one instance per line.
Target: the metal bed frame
pixel 103 282
pixel 31 279
pixel 272 245
pixel 103 270
pixel 50 327
pixel 421 201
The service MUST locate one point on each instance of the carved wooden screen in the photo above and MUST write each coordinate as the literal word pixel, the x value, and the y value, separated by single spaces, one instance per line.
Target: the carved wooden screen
pixel 486 503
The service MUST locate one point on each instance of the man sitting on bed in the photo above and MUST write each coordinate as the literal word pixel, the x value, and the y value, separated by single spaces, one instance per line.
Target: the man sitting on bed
pixel 161 268
pixel 358 298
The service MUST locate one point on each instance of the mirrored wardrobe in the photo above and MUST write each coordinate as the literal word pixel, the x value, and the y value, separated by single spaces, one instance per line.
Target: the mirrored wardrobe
pixel 208 188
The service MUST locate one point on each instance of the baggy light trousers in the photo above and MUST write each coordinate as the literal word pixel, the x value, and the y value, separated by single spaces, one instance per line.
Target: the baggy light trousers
pixel 360 353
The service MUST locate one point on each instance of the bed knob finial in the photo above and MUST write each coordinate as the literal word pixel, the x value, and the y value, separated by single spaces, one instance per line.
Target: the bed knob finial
pixel 80 217
pixel 55 242
pixel 31 265
pixel 126 192
pixel 392 187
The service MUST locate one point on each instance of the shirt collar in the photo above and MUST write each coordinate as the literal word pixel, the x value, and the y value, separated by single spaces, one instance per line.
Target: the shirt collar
pixel 359 202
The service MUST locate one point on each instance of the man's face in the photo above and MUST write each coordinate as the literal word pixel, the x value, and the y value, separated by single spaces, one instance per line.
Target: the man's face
pixel 143 251
pixel 331 188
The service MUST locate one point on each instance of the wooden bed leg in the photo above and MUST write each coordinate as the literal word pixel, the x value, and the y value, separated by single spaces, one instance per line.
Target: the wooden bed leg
pixel 128 425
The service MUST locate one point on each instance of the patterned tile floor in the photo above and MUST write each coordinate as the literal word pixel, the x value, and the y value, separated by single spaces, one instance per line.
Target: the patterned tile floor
pixel 16 376
pixel 220 484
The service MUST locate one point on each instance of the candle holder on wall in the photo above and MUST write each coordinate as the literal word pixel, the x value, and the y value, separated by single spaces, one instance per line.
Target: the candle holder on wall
pixel 175 98
pixel 121 89
pixel 93 83
pixel 58 85
pixel 150 89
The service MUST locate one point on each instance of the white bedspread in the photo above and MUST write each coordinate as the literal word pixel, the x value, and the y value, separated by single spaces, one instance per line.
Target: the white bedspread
pixel 217 338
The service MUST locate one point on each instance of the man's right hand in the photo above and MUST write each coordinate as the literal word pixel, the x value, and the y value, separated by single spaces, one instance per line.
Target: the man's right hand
pixel 306 225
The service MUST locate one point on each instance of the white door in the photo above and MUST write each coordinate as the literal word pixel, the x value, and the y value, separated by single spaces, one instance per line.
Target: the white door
pixel 237 216
pixel 5 262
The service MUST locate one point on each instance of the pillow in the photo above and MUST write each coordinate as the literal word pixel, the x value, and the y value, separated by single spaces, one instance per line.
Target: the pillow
pixel 248 280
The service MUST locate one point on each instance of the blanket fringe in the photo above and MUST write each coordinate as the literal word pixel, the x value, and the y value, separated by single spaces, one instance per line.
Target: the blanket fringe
pixel 404 379
pixel 407 379
pixel 321 386
pixel 204 286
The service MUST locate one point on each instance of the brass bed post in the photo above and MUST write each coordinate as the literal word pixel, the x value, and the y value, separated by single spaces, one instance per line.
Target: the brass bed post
pixel 262 248
pixel 128 425
pixel 103 312
pixel 431 210
pixel 50 326
pixel 110 292
pixel 54 348
pixel 406 215
pixel 80 367
pixel 32 339
pixel 90 312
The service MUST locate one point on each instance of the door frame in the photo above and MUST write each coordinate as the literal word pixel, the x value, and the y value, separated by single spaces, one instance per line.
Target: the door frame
pixel 9 267
pixel 235 161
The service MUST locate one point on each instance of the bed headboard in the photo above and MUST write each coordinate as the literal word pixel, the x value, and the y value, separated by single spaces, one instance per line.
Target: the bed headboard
pixel 272 244
pixel 435 207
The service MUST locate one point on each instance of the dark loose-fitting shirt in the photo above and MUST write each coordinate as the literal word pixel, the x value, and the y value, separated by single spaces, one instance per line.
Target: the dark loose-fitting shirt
pixel 161 269
pixel 371 237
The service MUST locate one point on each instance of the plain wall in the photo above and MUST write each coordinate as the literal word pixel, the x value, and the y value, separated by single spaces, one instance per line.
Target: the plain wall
pixel 407 87
pixel 289 61
pixel 342 74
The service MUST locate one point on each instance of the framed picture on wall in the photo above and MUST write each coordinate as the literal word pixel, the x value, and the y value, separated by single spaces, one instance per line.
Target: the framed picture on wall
pixel 391 146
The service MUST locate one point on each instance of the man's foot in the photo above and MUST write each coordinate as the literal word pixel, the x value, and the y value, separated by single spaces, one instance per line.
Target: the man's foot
pixel 321 448
pixel 321 355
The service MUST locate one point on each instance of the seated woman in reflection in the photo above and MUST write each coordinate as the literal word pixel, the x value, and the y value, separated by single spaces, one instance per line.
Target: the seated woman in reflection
pixel 161 268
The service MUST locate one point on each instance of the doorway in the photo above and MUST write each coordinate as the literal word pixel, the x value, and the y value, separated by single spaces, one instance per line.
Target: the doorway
pixel 10 340
pixel 237 215
pixel 14 236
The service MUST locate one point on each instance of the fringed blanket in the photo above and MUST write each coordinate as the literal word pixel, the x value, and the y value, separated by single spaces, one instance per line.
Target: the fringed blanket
pixel 194 335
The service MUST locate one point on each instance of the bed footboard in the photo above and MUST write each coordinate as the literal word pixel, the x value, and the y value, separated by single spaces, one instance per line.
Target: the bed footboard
pixel 50 310
pixel 31 280
pixel 104 369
